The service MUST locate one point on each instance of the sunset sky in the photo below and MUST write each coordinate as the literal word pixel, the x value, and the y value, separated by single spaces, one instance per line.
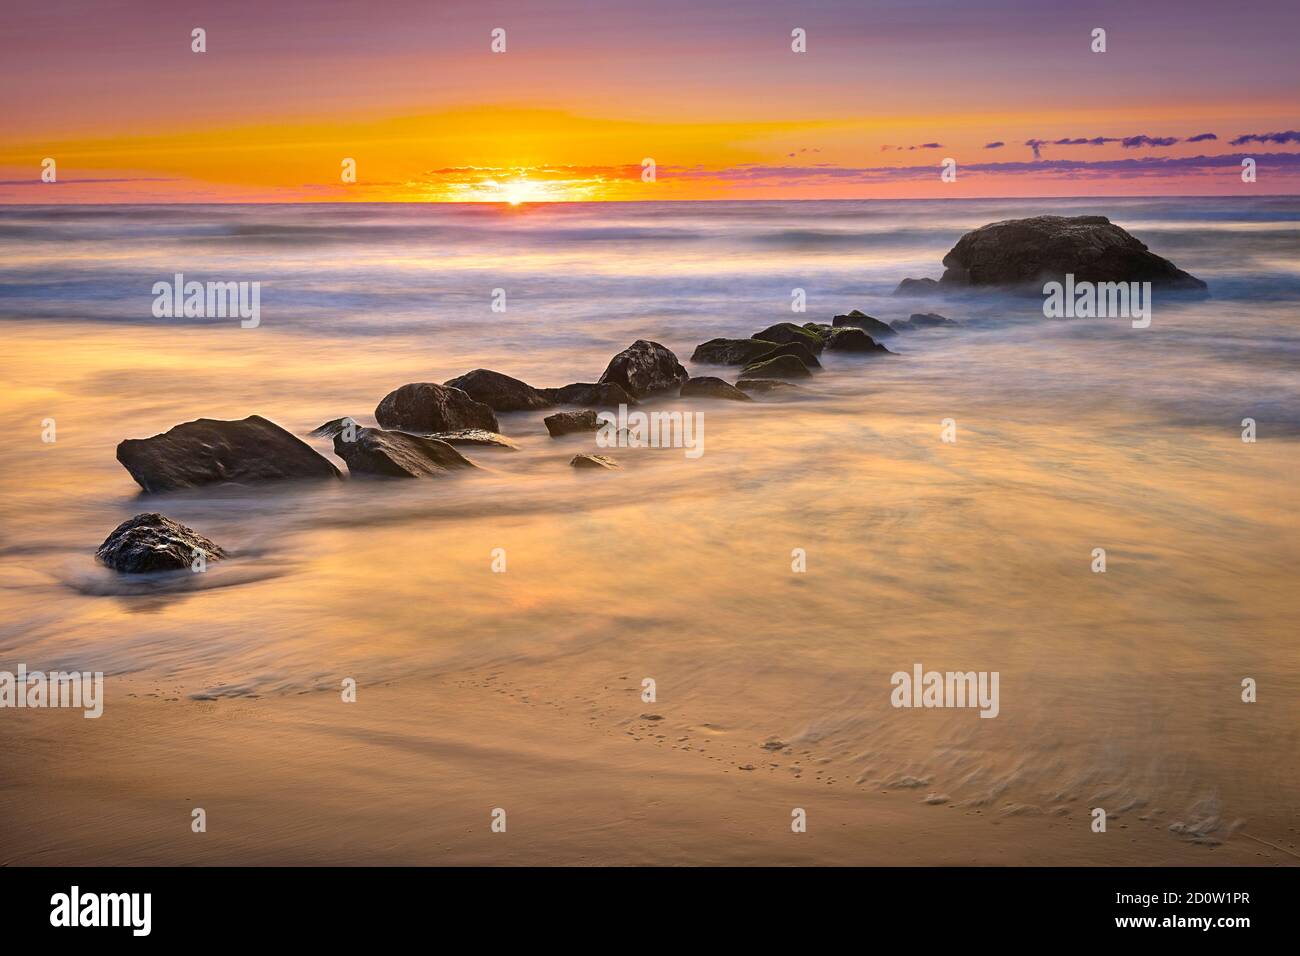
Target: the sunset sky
pixel 712 92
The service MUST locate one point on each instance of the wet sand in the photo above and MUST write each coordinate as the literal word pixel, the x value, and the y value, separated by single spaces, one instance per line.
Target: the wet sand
pixel 410 775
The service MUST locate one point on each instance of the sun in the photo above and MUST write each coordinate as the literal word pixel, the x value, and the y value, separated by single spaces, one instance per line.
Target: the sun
pixel 518 191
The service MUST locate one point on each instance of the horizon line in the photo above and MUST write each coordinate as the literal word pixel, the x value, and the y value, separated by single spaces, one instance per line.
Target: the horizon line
pixel 630 202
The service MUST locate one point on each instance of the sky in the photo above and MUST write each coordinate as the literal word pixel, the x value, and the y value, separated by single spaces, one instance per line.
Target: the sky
pixel 585 93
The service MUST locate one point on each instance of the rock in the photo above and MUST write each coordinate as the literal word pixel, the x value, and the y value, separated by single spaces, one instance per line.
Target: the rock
pixel 644 367
pixel 595 461
pixel 922 320
pixel 706 386
pixel 917 287
pixel 501 393
pixel 784 332
pixel 208 451
pixel 848 339
pixel 860 320
pixel 426 407
pixel 154 542
pixel 730 351
pixel 783 367
pixel 769 387
pixel 333 427
pixel 598 395
pixel 475 436
pixel 1031 252
pixel 566 423
pixel 392 454
pixel 797 349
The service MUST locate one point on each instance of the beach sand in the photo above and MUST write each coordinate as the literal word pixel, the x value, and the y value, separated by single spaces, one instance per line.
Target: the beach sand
pixel 410 775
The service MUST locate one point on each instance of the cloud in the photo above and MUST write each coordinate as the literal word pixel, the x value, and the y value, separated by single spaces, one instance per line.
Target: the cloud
pixel 1290 136
pixel 1084 141
pixel 885 149
pixel 996 144
pixel 1136 142
pixel 1037 146
pixel 1128 142
pixel 36 181
pixel 1201 137
pixel 756 175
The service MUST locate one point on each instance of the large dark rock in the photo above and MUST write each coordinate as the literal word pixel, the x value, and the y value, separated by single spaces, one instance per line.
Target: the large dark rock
pixel 848 339
pixel 784 332
pixel 797 349
pixel 1031 252
pixel 398 455
pixel 922 320
pixel 426 407
pixel 499 392
pixel 645 367
pixel 706 386
pixel 591 395
pixel 730 351
pixel 566 423
pixel 860 320
pixel 154 542
pixel 782 367
pixel 208 451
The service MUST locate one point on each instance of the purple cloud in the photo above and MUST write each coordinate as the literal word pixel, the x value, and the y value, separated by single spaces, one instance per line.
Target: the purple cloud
pixel 1290 136
pixel 1155 167
pixel 996 144
pixel 1136 142
pixel 1201 137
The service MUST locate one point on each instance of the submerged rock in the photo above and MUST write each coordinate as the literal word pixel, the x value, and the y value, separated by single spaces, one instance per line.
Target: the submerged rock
pixel 783 367
pixel 566 423
pixel 426 407
pixel 154 542
pixel 499 392
pixel 333 427
pixel 854 340
pixel 644 367
pixel 730 351
pixel 595 395
pixel 917 287
pixel 784 332
pixel 392 454
pixel 706 386
pixel 769 387
pixel 209 451
pixel 922 320
pixel 1031 252
pixel 595 461
pixel 475 436
pixel 860 320
pixel 797 349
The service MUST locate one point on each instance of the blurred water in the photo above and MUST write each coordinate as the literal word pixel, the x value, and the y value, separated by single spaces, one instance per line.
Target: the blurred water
pixel 1072 435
